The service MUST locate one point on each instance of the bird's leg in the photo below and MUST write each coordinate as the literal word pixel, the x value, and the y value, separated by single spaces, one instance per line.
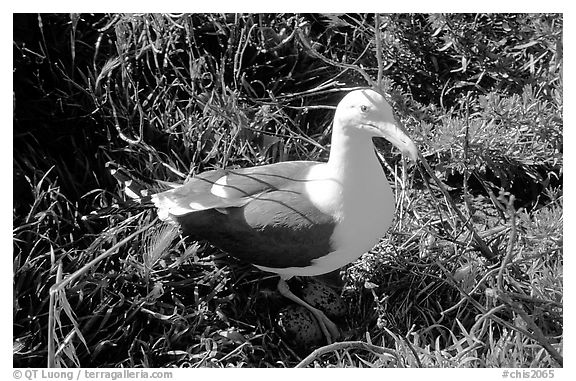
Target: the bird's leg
pixel 329 329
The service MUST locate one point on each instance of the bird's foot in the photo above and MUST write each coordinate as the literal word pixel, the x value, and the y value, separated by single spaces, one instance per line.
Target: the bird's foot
pixel 329 329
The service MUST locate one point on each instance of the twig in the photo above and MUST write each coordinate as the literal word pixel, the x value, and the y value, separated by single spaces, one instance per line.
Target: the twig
pixel 240 53
pixel 115 113
pixel 314 53
pixel 538 335
pixel 484 249
pixel 346 345
pixel 471 292
pixel 511 242
pixel 236 350
pixel 378 49
pixel 119 130
pixel 491 314
pixel 499 208
pixel 440 210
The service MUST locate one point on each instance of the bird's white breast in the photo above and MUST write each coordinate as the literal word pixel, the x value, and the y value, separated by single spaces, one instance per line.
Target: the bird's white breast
pixel 363 206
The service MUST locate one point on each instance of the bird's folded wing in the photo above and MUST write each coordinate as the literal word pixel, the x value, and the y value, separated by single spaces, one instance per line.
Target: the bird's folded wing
pixel 224 188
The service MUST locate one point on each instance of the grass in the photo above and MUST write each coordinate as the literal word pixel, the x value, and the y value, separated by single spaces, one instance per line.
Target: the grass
pixel 470 275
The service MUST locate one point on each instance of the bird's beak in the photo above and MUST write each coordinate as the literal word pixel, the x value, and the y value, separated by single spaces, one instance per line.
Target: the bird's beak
pixel 396 136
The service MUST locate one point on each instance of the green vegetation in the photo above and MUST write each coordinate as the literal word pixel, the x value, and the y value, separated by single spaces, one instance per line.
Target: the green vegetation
pixel 470 274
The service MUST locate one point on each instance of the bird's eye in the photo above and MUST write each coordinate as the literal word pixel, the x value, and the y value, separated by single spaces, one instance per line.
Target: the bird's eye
pixel 363 108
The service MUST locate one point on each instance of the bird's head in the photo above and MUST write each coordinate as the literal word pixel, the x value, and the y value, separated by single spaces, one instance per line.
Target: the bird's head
pixel 366 113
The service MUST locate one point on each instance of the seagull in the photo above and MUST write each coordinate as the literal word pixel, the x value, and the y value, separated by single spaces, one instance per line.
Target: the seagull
pixel 299 218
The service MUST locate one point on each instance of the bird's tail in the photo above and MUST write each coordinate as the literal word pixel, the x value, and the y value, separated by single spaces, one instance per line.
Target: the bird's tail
pixel 135 189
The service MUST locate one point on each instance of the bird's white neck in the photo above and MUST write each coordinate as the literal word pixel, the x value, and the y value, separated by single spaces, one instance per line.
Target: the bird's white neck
pixel 352 157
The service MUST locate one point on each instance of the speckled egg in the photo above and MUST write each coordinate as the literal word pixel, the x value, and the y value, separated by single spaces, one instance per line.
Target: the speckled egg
pixel 324 298
pixel 300 326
